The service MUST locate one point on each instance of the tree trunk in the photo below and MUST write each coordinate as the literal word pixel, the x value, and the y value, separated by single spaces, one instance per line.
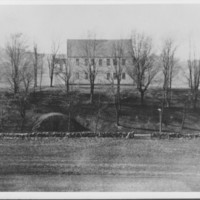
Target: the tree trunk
pixel 2 119
pixel 15 88
pixel 168 100
pixel 98 115
pixel 160 122
pixel 170 85
pixel 67 85
pixel 41 76
pixel 35 79
pixel 195 100
pixel 183 117
pixel 117 116
pixel 118 94
pixel 117 108
pixel 22 124
pixel 51 81
pixel 69 121
pixel 16 80
pixel 91 92
pixel 35 66
pixel 142 97
pixel 166 97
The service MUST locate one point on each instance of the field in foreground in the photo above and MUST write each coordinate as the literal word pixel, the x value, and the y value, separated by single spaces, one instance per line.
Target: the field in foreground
pixel 99 164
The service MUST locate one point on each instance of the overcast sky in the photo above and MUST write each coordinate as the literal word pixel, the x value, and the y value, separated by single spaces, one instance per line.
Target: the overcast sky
pixel 45 23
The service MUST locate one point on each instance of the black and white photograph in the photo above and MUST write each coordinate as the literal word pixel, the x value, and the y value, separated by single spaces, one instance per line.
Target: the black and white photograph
pixel 99 97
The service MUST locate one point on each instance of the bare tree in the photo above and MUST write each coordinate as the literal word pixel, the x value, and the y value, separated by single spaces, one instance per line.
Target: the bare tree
pixel 52 61
pixel 21 101
pixel 18 73
pixel 89 49
pixel 64 71
pixel 118 68
pixel 27 77
pixel 27 83
pixel 112 91
pixel 16 58
pixel 168 68
pixel 35 64
pixel 41 70
pixel 141 69
pixel 116 103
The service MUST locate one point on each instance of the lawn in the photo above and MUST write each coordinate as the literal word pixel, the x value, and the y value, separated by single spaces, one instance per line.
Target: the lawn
pixel 102 164
pixel 133 115
pixel 99 164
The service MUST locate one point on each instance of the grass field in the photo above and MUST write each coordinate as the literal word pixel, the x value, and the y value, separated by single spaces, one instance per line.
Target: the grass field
pixel 102 164
pixel 99 164
pixel 133 115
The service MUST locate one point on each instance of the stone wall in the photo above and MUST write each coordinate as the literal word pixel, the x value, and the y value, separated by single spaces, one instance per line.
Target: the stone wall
pixel 126 135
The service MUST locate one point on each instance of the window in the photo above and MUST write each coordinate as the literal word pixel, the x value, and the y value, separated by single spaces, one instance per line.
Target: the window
pixel 123 76
pixel 77 62
pixel 92 61
pixel 86 75
pixel 115 62
pixel 100 62
pixel 108 76
pixel 77 75
pixel 108 62
pixel 86 62
pixel 123 61
pixel 59 67
pixel 115 75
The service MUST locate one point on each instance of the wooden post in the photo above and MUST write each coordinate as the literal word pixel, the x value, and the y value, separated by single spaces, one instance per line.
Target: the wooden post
pixel 160 121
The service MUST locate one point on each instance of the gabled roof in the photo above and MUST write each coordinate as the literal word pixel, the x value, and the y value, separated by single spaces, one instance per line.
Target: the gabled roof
pixel 104 48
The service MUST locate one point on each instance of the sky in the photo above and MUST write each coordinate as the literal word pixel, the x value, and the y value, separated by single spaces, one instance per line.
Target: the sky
pixel 43 24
